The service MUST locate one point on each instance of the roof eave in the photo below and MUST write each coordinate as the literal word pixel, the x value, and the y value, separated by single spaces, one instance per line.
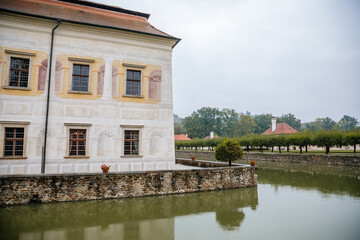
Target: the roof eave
pixel 107 7
pixel 91 24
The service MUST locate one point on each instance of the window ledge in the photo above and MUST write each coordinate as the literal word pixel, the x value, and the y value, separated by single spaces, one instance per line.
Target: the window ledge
pixel 73 157
pixel 17 88
pixel 79 92
pixel 78 124
pixel 87 60
pixel 131 156
pixel 133 96
pixel 134 65
pixel 19 52
pixel 15 122
pixel 13 158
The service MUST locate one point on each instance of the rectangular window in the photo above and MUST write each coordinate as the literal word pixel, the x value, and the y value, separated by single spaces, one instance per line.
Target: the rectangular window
pixel 80 78
pixel 77 142
pixel 131 142
pixel 19 72
pixel 14 142
pixel 133 82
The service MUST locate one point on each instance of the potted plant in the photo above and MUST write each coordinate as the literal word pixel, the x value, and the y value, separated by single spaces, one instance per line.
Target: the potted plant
pixel 105 168
pixel 193 158
pixel 252 163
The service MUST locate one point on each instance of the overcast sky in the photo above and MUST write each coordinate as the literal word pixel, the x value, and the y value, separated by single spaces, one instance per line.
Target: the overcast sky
pixel 279 56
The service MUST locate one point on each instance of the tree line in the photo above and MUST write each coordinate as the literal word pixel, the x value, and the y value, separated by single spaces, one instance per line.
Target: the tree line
pixel 323 138
pixel 229 123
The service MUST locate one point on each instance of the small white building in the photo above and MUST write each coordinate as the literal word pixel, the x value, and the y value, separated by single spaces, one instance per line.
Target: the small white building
pixel 110 98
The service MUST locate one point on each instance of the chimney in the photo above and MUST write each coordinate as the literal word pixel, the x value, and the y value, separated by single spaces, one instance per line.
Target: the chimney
pixel 273 124
pixel 211 135
pixel 185 134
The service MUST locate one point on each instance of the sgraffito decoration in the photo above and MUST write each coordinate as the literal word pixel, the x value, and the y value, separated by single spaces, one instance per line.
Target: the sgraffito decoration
pixel 155 84
pixel 100 83
pixel 114 81
pixel 42 74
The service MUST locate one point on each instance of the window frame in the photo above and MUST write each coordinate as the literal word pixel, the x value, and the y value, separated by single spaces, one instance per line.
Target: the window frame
pixel 14 140
pixel 133 80
pixel 82 62
pixel 138 128
pixel 21 55
pixel 132 142
pixel 77 142
pixel 13 124
pixel 80 75
pixel 137 68
pixel 77 126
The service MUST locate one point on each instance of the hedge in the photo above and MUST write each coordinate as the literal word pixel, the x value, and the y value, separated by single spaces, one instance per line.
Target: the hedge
pixel 301 140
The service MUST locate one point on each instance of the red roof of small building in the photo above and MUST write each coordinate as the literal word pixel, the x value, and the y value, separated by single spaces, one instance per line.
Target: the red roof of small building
pixel 181 137
pixel 281 128
pixel 85 12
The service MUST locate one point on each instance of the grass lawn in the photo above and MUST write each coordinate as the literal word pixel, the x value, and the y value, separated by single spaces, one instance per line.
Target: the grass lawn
pixel 310 152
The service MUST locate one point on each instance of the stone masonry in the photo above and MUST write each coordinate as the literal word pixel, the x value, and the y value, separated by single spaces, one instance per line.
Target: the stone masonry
pixel 76 187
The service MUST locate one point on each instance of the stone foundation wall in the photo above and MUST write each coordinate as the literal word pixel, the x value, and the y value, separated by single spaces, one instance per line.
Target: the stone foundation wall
pixel 351 161
pixel 58 188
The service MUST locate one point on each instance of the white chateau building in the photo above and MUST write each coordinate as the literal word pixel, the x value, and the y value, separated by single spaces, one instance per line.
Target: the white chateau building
pixel 110 98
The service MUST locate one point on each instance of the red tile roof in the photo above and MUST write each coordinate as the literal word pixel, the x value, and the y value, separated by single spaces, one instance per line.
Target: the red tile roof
pixel 281 128
pixel 85 12
pixel 181 137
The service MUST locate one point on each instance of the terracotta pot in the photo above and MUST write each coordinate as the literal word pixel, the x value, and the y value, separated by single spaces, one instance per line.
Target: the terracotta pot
pixel 252 164
pixel 105 170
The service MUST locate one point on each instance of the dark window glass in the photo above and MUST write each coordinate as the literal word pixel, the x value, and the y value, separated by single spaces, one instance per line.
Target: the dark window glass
pixel 131 144
pixel 80 78
pixel 77 142
pixel 19 72
pixel 14 142
pixel 133 82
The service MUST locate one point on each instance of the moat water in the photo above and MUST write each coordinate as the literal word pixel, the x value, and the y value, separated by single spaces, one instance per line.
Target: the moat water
pixel 291 201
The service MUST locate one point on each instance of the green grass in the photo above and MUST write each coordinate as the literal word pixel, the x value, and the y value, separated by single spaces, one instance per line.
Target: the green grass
pixel 310 152
pixel 316 152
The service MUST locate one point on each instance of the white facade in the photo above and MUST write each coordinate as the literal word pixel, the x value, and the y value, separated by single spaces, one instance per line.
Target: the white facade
pixel 105 111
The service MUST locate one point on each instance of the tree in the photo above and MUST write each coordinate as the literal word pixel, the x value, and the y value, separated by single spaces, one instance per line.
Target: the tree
pixel 352 138
pixel 291 120
pixel 179 129
pixel 245 141
pixel 263 122
pixel 321 124
pixel 230 122
pixel 228 150
pixel 270 141
pixel 348 123
pixel 177 119
pixel 258 141
pixel 202 122
pixel 328 139
pixel 280 141
pixel 246 125
pixel 301 139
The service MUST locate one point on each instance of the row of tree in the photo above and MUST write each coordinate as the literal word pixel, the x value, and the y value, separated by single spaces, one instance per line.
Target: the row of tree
pixel 229 123
pixel 302 140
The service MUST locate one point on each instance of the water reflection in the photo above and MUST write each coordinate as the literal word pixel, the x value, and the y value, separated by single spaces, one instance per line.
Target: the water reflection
pixel 230 214
pixel 325 183
pixel 136 218
pixel 323 178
